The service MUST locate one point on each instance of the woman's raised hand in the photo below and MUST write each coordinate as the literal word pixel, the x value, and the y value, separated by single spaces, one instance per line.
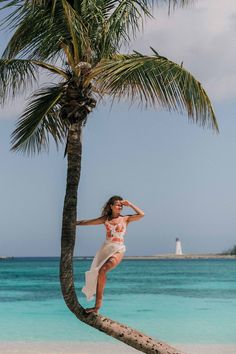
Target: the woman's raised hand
pixel 139 213
pixel 125 202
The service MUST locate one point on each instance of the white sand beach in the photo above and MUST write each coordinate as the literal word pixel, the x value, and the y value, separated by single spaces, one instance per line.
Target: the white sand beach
pixel 103 348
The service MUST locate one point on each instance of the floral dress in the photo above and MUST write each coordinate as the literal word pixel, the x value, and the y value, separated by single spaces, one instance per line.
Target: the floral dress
pixel 114 243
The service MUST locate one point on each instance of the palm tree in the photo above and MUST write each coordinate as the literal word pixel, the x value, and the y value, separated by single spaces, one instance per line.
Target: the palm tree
pixel 79 42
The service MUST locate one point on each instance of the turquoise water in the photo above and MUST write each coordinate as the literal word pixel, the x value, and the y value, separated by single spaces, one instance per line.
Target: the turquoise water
pixel 178 301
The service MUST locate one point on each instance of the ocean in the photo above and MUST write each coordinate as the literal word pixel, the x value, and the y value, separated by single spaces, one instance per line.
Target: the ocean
pixel 176 301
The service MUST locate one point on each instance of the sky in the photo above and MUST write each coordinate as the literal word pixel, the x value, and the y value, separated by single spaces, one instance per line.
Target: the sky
pixel 181 175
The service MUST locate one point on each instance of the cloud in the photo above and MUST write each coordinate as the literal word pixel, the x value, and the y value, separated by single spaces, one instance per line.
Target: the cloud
pixel 202 36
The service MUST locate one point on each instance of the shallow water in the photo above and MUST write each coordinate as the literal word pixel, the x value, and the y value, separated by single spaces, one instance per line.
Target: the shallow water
pixel 178 301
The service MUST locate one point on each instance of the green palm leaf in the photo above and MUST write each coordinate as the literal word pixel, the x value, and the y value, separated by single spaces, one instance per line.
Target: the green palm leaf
pixel 77 28
pixel 85 30
pixel 15 76
pixel 39 121
pixel 39 32
pixel 155 80
pixel 52 68
pixel 111 22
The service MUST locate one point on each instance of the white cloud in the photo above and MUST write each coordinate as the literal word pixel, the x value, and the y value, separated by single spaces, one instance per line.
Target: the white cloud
pixel 202 36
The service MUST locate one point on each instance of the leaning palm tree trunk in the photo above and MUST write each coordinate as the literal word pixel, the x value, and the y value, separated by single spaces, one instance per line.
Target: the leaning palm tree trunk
pixel 112 328
pixel 74 150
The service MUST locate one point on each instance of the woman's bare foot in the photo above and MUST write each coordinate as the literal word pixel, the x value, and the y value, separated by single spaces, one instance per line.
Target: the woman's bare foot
pixel 92 309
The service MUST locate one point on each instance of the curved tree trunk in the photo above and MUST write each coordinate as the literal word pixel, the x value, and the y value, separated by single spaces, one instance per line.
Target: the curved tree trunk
pixel 117 330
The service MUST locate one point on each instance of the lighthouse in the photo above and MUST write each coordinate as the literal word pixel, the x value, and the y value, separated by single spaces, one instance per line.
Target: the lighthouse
pixel 178 248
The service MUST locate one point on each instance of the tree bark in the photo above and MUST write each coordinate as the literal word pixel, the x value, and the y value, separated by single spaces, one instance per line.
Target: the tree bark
pixel 112 328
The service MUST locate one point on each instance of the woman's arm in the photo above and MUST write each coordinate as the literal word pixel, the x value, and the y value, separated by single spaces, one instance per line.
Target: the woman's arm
pixel 96 221
pixel 139 213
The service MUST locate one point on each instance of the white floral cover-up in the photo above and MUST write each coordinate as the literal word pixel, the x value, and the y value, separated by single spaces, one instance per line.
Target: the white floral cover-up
pixel 114 243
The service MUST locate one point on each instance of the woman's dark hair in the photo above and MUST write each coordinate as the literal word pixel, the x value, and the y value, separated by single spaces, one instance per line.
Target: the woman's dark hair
pixel 106 210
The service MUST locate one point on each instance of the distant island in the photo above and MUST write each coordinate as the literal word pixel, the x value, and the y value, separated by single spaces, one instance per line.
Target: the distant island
pixel 231 251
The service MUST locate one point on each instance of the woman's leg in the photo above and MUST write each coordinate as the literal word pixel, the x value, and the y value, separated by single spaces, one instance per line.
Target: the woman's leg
pixel 111 263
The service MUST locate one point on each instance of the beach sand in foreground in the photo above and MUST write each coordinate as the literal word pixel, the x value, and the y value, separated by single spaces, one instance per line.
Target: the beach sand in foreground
pixel 103 348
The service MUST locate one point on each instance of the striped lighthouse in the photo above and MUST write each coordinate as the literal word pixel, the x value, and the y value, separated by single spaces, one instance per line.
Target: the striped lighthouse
pixel 178 247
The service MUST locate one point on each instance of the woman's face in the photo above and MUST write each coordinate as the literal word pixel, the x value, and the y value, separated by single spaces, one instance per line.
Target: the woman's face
pixel 116 207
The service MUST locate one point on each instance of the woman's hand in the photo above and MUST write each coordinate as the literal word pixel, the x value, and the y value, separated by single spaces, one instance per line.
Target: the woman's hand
pixel 139 213
pixel 125 203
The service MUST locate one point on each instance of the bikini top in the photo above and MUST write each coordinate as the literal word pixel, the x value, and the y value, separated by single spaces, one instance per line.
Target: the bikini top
pixel 115 231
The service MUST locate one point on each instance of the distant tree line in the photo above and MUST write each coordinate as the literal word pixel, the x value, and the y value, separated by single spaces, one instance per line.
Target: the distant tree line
pixel 231 251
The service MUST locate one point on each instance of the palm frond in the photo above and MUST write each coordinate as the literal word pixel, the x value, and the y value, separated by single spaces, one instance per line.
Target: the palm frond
pixel 15 76
pixel 180 3
pixel 39 121
pixel 8 3
pixel 52 68
pixel 128 16
pixel 155 80
pixel 172 4
pixel 78 29
pixel 110 23
pixel 40 32
pixel 71 18
pixel 34 34
pixel 88 29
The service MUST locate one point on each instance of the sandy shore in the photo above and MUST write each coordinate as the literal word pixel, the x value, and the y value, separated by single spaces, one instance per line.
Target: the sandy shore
pixel 102 348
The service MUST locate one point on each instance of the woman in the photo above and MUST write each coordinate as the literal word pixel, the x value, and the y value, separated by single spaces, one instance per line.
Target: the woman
pixel 112 250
